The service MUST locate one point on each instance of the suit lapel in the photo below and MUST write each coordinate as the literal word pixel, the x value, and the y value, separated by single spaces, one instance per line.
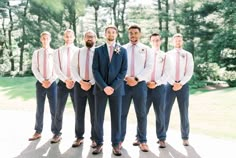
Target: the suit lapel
pixel 105 52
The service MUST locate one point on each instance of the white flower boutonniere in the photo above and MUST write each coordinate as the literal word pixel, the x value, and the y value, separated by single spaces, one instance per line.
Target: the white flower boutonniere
pixel 117 49
pixel 160 59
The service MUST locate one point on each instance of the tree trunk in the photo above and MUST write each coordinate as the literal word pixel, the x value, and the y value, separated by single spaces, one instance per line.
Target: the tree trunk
pixel 160 17
pixel 10 39
pixel 166 26
pixel 23 37
pixel 96 20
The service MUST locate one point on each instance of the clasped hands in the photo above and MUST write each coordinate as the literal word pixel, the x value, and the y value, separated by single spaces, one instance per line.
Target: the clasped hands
pixel 108 90
pixel 69 83
pixel 131 81
pixel 151 84
pixel 177 86
pixel 85 85
pixel 46 83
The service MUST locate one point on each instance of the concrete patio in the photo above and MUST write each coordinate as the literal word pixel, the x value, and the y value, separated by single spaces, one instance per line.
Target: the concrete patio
pixel 17 126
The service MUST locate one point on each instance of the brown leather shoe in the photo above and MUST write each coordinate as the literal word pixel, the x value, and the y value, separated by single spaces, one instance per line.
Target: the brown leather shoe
pixel 94 144
pixel 116 151
pixel 185 142
pixel 77 142
pixel 35 136
pixel 56 139
pixel 162 144
pixel 136 143
pixel 97 150
pixel 144 147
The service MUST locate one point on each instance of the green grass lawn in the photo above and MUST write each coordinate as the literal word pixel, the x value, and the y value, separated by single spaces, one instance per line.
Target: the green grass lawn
pixel 212 112
pixel 23 87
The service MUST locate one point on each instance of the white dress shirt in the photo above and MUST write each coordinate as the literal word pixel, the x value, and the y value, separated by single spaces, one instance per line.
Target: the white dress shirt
pixel 143 58
pixel 160 71
pixel 38 65
pixel 78 64
pixel 186 66
pixel 60 61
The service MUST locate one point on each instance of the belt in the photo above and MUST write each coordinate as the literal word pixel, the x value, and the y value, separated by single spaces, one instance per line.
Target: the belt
pixel 86 80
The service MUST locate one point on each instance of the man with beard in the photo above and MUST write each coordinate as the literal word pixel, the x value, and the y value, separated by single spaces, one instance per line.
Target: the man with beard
pixel 140 63
pixel 109 70
pixel 81 67
pixel 65 86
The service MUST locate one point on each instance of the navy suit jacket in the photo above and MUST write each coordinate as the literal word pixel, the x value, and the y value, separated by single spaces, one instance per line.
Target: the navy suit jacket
pixel 109 73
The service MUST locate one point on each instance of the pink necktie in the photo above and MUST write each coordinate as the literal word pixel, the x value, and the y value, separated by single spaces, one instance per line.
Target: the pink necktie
pixel 177 77
pixel 111 52
pixel 154 68
pixel 68 62
pixel 132 62
pixel 87 66
pixel 45 64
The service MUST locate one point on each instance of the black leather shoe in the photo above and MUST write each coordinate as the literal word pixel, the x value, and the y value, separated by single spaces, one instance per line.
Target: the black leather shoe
pixel 116 151
pixel 97 150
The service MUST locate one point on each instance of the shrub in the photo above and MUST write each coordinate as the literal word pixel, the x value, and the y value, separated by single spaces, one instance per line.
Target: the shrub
pixel 229 77
pixel 208 71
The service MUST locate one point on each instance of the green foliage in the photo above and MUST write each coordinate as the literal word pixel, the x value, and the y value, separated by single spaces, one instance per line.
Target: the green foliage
pixel 208 71
pixel 229 59
pixel 54 5
pixel 229 77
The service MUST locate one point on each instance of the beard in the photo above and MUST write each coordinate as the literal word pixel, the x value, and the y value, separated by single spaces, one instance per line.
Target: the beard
pixel 89 44
pixel 110 39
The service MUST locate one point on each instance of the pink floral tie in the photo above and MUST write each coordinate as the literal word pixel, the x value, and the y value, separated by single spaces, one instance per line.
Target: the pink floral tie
pixel 177 73
pixel 68 62
pixel 154 68
pixel 132 62
pixel 45 64
pixel 87 66
pixel 111 52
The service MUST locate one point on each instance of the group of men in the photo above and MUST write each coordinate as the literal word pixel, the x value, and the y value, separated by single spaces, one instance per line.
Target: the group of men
pixel 117 74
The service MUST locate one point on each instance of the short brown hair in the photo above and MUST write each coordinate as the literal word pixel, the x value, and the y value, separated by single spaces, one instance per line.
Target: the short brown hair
pixel 111 26
pixel 154 34
pixel 177 35
pixel 45 33
pixel 134 26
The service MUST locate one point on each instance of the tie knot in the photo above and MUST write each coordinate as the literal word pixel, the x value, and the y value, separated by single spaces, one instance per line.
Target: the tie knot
pixel 178 51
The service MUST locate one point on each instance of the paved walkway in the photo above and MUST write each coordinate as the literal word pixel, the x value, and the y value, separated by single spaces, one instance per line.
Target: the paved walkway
pixel 17 126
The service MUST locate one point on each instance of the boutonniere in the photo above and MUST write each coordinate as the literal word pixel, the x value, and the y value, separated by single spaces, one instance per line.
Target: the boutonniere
pixel 117 49
pixel 182 55
pixel 160 59
pixel 142 50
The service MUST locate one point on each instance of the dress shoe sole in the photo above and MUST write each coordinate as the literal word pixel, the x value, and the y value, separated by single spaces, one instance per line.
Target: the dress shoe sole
pixel 54 142
pixel 34 138
pixel 136 144
pixel 77 144
pixel 95 152
pixel 116 153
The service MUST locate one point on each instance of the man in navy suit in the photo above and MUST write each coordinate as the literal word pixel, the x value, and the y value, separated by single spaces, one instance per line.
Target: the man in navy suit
pixel 109 70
